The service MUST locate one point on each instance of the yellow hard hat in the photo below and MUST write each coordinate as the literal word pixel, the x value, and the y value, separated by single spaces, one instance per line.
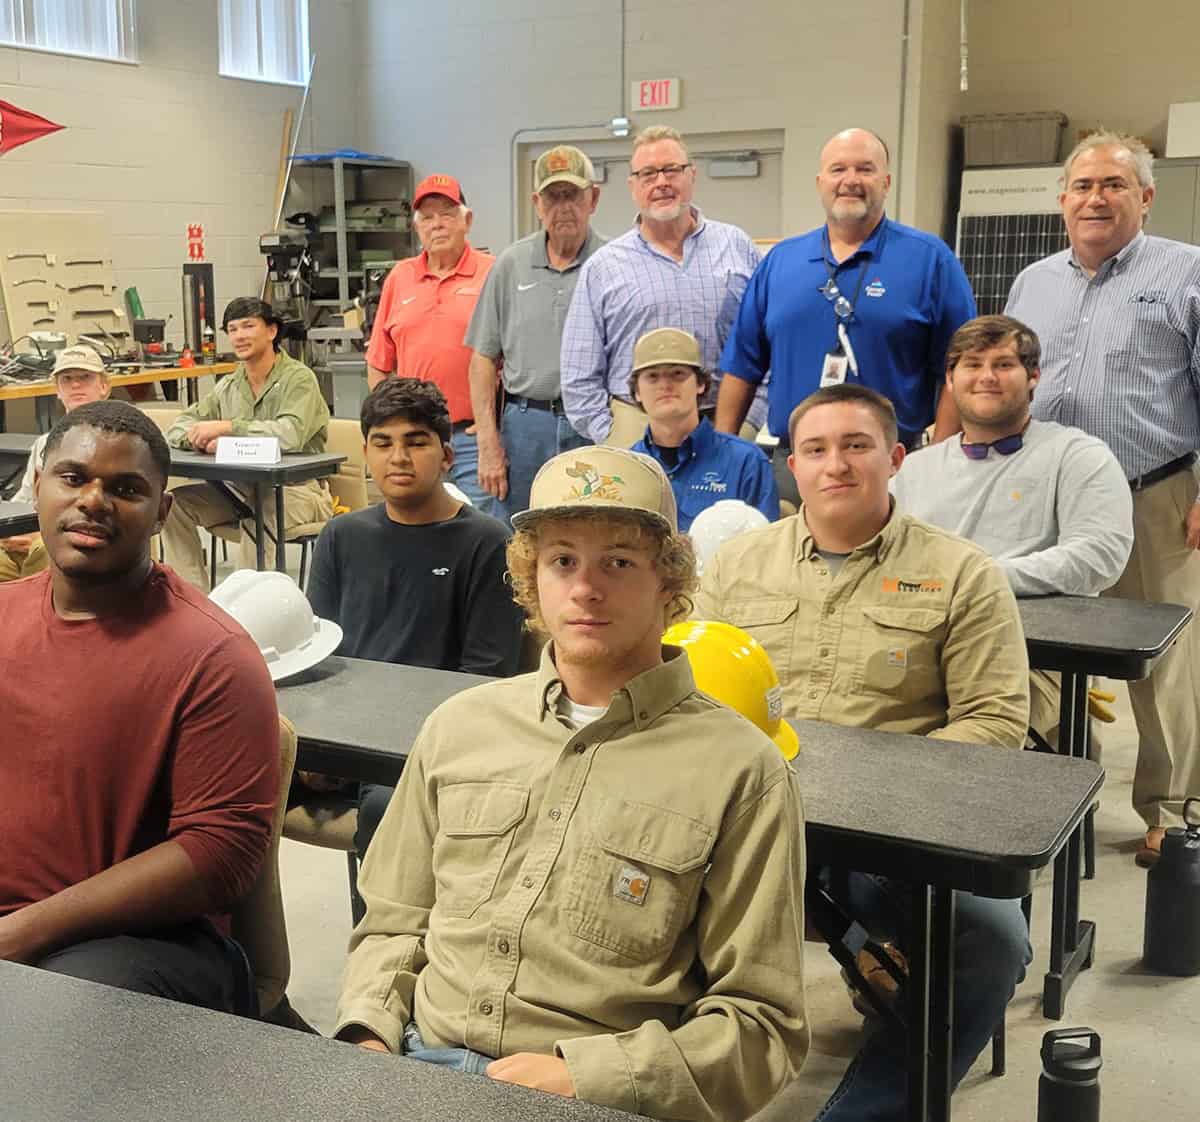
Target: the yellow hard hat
pixel 730 665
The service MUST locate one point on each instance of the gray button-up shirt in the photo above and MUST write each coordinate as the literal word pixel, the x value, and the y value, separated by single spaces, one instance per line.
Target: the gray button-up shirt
pixel 1120 350
pixel 520 314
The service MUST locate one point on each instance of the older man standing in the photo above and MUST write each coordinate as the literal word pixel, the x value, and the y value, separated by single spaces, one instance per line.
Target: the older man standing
pixel 861 299
pixel 1118 314
pixel 426 304
pixel 519 322
pixel 675 268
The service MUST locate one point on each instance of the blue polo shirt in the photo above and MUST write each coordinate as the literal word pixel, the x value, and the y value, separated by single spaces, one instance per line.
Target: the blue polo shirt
pixel 713 466
pixel 912 295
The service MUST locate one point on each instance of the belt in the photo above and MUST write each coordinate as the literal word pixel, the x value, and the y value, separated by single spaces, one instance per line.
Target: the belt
pixel 1141 482
pixel 554 405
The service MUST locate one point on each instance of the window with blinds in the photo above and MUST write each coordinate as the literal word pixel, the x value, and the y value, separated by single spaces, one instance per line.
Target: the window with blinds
pixel 264 40
pixel 93 28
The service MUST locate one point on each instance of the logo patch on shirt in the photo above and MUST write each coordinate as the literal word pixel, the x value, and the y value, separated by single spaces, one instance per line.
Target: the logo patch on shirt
pixel 466 292
pixel 875 288
pixel 1151 296
pixel 898 656
pixel 408 300
pixel 712 483
pixel 631 884
pixel 1016 496
pixel 439 572
pixel 526 287
pixel 894 584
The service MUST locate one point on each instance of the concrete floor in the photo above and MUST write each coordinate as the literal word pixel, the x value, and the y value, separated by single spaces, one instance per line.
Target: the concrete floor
pixel 1150 1025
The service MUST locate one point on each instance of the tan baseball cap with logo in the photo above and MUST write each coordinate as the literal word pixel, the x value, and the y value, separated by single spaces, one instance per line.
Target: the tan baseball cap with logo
pixel 78 358
pixel 563 164
pixel 667 345
pixel 599 478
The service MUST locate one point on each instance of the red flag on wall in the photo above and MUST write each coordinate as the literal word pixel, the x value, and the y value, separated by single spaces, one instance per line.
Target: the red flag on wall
pixel 19 126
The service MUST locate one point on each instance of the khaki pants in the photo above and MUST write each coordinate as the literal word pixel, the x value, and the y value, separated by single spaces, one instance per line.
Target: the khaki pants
pixel 1166 706
pixel 202 505
pixel 629 425
pixel 14 566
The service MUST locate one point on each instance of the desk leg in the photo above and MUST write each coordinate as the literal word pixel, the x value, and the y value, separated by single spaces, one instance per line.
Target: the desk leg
pixel 1071 941
pixel 941 1004
pixel 260 530
pixel 917 1043
pixel 280 544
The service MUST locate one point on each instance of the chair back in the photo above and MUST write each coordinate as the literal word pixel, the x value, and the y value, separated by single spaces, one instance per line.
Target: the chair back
pixel 258 922
pixel 349 485
pixel 164 416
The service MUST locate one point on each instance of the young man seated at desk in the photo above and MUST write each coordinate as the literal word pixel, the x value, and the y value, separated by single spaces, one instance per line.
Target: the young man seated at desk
pixel 269 394
pixel 79 377
pixel 703 465
pixel 547 902
pixel 141 740
pixel 1048 501
pixel 876 620
pixel 419 578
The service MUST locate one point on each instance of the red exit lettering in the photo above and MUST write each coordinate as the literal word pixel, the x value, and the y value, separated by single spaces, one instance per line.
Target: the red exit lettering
pixel 655 93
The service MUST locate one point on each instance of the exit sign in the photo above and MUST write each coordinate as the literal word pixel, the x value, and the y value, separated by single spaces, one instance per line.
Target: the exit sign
pixel 655 93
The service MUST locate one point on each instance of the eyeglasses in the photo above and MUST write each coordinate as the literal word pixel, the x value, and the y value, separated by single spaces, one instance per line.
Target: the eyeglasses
pixel 649 175
pixel 842 307
pixel 1005 446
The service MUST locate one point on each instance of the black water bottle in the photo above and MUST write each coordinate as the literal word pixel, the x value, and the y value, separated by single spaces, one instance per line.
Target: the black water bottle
pixel 1171 944
pixel 1069 1088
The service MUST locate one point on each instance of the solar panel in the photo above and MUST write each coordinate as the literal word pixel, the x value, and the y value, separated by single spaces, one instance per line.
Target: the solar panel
pixel 994 248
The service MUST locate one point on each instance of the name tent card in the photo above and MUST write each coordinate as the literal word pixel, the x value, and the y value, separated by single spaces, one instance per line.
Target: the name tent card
pixel 248 450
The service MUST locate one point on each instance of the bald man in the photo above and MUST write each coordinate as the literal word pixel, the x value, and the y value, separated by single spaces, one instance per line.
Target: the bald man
pixel 860 299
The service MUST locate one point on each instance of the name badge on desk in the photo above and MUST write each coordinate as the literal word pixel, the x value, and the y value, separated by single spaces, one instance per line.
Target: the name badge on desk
pixel 248 450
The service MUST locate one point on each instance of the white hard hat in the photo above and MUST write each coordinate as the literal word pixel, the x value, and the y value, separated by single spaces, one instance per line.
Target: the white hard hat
pixel 716 524
pixel 271 607
pixel 457 493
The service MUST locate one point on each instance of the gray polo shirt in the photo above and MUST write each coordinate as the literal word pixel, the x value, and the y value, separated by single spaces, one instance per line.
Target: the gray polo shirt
pixel 520 312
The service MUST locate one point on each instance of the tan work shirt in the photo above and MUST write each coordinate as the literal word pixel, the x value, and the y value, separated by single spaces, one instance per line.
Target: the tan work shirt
pixel 628 895
pixel 290 407
pixel 918 632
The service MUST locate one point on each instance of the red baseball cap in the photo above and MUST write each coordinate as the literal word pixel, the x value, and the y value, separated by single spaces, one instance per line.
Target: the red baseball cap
pixel 439 184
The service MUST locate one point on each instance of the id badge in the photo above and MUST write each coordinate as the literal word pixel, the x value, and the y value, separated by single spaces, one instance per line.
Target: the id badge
pixel 833 371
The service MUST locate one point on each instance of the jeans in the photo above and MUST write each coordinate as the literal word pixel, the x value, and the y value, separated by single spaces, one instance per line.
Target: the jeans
pixel 458 1059
pixel 373 799
pixel 991 951
pixel 531 437
pixel 189 962
pixel 464 473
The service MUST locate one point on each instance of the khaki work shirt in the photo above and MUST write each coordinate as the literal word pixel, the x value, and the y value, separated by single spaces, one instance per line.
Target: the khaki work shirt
pixel 918 632
pixel 628 895
pixel 290 407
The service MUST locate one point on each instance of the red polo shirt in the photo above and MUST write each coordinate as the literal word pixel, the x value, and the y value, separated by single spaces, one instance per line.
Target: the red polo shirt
pixel 421 322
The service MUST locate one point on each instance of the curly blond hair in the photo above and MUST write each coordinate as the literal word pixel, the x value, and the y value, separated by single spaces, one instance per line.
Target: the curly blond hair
pixel 672 554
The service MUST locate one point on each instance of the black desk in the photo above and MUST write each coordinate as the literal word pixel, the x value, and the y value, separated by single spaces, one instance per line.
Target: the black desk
pixel 79 1051
pixel 17 518
pixel 1078 636
pixel 938 814
pixel 357 719
pixel 15 447
pixel 290 469
pixel 14 455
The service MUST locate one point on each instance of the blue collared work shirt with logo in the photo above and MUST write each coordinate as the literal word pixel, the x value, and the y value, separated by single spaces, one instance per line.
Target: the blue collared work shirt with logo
pixel 713 466
pixel 913 296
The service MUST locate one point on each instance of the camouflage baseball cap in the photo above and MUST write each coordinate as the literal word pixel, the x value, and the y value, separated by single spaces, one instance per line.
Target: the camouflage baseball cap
pixel 614 480
pixel 563 164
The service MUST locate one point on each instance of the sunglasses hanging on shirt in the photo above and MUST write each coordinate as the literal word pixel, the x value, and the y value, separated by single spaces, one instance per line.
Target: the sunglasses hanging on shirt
pixel 840 361
pixel 1005 446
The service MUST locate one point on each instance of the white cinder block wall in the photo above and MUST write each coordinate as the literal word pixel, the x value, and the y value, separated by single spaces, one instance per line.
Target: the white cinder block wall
pixel 168 142
pixel 447 86
pixel 1102 62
